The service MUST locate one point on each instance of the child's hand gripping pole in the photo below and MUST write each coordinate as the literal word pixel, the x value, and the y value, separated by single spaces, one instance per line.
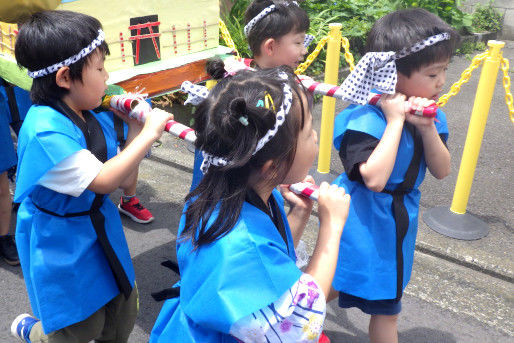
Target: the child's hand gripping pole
pixel 305 189
pixel 136 107
pixel 429 111
pixel 373 98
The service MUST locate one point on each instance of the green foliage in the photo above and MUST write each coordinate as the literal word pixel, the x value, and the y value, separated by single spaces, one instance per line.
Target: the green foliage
pixel 486 18
pixel 356 16
pixel 469 47
pixel 447 10
pixel 235 25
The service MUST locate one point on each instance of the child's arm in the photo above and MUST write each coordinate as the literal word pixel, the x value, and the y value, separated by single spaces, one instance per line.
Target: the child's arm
pixel 115 171
pixel 436 153
pixel 300 210
pixel 333 207
pixel 378 168
pixel 134 128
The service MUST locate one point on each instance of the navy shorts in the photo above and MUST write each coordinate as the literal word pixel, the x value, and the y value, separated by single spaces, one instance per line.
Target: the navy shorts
pixel 387 307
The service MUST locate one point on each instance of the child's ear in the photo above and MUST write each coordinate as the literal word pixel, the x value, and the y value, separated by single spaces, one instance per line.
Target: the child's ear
pixel 267 167
pixel 62 77
pixel 268 47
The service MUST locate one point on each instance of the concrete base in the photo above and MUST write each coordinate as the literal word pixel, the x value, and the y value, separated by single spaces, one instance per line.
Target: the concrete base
pixel 459 226
pixel 320 177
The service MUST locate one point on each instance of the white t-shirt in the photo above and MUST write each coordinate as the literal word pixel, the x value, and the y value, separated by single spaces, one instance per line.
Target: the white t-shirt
pixel 72 175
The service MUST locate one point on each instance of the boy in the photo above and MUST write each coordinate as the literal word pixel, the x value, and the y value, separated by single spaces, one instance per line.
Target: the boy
pixel 385 153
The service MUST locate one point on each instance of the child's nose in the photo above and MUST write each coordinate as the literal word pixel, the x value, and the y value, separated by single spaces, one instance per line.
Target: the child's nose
pixel 441 80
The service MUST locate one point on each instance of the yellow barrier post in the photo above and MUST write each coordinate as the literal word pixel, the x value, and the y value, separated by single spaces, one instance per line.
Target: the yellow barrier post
pixel 456 223
pixel 329 103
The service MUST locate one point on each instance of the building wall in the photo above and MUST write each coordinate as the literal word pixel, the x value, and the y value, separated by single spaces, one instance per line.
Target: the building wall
pixel 506 8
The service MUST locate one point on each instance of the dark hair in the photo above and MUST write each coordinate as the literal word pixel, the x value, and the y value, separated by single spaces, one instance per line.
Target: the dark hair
pixel 220 133
pixel 50 37
pixel 287 17
pixel 403 28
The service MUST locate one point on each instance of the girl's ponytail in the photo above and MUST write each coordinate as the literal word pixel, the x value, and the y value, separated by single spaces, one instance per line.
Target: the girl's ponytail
pixel 215 68
pixel 239 111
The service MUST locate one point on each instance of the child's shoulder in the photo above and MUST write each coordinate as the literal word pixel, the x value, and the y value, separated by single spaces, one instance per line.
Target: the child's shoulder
pixel 43 119
pixel 363 118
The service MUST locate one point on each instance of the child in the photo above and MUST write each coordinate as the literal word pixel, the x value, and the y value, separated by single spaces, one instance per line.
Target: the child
pixel 239 281
pixel 385 153
pixel 7 160
pixel 73 253
pixel 276 33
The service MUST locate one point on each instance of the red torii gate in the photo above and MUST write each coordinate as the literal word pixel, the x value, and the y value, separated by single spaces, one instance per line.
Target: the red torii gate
pixel 139 36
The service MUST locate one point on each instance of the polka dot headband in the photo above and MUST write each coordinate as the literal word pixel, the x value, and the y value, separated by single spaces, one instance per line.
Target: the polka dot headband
pixel 70 60
pixel 378 70
pixel 285 107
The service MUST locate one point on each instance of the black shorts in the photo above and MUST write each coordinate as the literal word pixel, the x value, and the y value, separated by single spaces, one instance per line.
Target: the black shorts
pixel 387 307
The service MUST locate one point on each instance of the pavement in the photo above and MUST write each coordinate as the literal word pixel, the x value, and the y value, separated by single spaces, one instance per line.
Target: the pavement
pixel 460 291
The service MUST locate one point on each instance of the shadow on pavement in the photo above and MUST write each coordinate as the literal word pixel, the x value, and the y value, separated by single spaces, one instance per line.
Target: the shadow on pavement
pixel 153 277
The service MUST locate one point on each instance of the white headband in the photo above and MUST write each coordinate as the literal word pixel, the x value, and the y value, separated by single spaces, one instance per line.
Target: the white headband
pixel 82 53
pixel 248 27
pixel 378 70
pixel 285 107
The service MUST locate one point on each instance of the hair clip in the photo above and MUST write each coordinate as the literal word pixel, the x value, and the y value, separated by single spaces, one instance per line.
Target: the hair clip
pixel 268 100
pixel 243 120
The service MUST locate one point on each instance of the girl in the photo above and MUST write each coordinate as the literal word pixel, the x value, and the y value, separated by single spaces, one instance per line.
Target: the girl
pixel 276 33
pixel 239 280
pixel 73 252
pixel 385 153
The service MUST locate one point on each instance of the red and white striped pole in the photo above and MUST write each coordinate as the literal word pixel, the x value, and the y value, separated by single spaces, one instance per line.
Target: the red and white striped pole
pixel 136 107
pixel 373 98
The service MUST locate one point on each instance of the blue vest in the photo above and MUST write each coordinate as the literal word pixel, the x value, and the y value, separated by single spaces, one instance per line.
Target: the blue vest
pixel 66 272
pixel 368 264
pixel 240 273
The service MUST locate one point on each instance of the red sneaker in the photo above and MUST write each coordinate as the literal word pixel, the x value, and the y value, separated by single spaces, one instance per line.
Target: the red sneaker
pixel 323 338
pixel 135 211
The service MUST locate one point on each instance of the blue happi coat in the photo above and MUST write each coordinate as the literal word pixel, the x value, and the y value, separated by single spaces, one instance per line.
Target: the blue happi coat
pixel 227 280
pixel 66 272
pixel 374 263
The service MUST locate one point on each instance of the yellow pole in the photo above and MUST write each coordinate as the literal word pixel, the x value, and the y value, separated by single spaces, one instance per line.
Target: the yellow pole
pixel 329 103
pixel 476 127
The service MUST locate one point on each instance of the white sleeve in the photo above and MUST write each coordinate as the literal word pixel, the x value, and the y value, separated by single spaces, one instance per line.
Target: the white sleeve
pixel 297 316
pixel 72 175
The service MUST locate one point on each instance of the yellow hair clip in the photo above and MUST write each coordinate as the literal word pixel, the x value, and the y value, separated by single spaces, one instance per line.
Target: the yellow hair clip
pixel 269 100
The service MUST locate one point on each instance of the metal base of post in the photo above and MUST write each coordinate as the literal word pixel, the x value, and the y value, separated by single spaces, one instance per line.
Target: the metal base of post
pixel 459 226
pixel 320 177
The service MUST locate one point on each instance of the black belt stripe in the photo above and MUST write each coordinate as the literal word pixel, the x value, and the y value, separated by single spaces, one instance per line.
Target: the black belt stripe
pixel 400 212
pixel 95 141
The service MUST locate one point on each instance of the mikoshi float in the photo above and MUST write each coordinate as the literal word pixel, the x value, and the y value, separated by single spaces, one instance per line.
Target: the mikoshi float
pixel 155 44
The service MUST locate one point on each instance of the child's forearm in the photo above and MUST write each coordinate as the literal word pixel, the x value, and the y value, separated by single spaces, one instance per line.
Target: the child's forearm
pixel 436 153
pixel 379 166
pixel 116 170
pixel 323 262
pixel 133 131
